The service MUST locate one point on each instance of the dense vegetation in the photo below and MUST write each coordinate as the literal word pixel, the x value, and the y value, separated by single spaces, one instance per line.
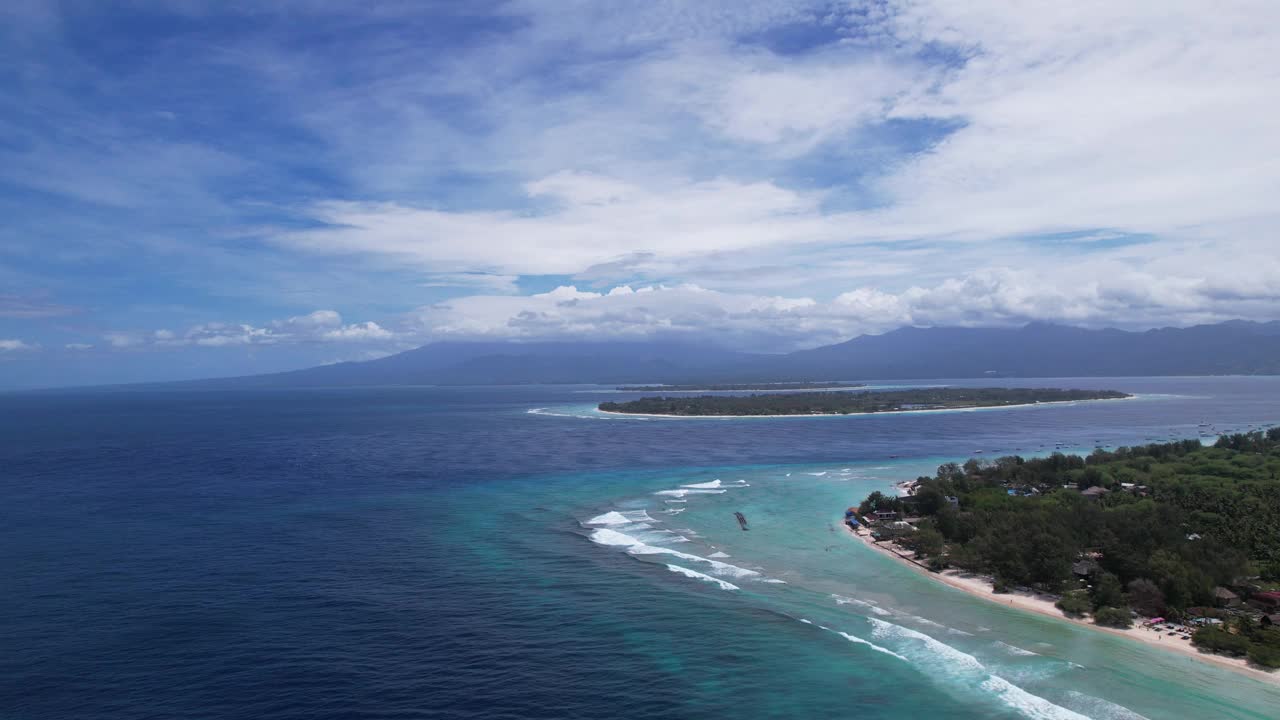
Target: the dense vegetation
pixel 742 386
pixel 844 403
pixel 1178 521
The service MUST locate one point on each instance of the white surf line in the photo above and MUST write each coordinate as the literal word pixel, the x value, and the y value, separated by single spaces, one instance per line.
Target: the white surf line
pixel 938 658
pixel 634 546
pixel 700 576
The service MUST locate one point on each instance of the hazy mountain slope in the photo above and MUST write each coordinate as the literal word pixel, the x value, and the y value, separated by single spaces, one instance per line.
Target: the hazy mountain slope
pixel 1035 350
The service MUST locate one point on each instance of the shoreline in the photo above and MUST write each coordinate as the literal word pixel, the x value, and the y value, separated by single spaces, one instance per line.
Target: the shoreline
pixel 980 587
pixel 973 408
pixel 820 388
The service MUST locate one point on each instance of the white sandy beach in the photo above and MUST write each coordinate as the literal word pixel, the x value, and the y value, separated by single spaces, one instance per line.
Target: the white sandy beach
pixel 979 586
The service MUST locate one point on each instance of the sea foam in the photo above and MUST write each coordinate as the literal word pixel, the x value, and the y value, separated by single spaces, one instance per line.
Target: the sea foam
pixel 699 576
pixel 938 657
pixel 613 517
pixel 1014 649
pixel 873 646
pixel 606 536
pixel 842 600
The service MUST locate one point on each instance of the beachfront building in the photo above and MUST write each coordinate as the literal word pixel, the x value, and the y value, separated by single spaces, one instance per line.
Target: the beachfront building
pixel 1266 601
pixel 1225 598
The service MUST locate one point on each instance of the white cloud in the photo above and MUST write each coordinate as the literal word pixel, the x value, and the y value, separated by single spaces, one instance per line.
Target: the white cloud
pixel 15 345
pixel 594 220
pixel 218 334
pixel 320 326
pixel 358 332
pixel 318 320
pixel 78 346
pixel 1134 119
pixel 787 104
pixel 123 339
pixel 1001 296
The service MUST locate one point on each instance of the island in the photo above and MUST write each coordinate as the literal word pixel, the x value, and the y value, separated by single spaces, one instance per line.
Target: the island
pixel 1178 539
pixel 743 387
pixel 848 403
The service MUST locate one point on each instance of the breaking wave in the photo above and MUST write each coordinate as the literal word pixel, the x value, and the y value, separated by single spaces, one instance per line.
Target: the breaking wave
pixel 842 600
pixel 699 576
pixel 868 643
pixel 682 492
pixel 606 536
pixel 936 657
pixel 1014 649
pixel 615 517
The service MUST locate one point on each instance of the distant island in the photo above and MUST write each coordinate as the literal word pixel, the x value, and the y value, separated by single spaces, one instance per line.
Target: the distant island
pixel 1182 538
pixel 848 403
pixel 742 387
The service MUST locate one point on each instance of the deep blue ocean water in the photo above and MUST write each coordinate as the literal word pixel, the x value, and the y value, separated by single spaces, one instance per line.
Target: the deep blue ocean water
pixel 430 552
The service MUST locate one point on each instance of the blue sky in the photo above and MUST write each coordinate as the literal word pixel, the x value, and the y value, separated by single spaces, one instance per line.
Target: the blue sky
pixel 195 189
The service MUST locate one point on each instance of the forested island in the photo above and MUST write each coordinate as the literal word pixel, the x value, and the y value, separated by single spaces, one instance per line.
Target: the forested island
pixel 742 387
pixel 1176 531
pixel 847 403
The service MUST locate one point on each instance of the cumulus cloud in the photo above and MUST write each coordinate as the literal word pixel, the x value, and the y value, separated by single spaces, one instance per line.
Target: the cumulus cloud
pixel 364 331
pixel 1081 291
pixel 320 326
pixel 318 320
pixel 991 297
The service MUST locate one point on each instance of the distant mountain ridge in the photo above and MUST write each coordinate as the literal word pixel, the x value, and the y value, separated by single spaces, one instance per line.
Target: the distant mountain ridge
pixel 1034 350
pixel 1046 350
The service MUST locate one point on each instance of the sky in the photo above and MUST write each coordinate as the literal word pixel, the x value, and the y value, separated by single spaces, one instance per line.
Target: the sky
pixel 195 189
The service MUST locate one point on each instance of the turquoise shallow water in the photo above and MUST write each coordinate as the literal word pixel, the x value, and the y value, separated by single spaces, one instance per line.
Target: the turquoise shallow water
pixel 991 660
pixel 424 552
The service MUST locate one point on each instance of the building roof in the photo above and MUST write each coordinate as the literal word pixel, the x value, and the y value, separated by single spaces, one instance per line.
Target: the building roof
pixel 1095 491
pixel 1224 594
pixel 1084 567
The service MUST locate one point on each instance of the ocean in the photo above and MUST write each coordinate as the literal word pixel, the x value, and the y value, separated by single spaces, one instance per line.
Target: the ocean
pixel 507 552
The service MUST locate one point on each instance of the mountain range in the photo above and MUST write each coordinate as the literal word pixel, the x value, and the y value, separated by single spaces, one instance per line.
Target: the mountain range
pixel 1034 350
